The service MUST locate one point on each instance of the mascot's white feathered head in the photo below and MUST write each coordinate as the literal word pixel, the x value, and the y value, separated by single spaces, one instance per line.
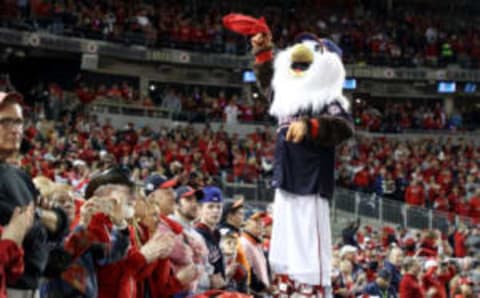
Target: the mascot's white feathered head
pixel 307 76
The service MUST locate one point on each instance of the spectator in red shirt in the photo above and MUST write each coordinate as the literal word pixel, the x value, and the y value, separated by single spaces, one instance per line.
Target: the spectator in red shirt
pixel 459 238
pixel 462 207
pixel 454 197
pixel 436 278
pixel 440 203
pixel 114 92
pixel 415 194
pixel 362 179
pixel 475 207
pixel 409 285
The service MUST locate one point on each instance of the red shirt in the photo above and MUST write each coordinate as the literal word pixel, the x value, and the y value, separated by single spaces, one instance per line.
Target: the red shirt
pixel 85 95
pixel 431 281
pixel 362 178
pixel 462 208
pixel 460 248
pixel 410 287
pixel 415 195
pixel 441 204
pixel 475 209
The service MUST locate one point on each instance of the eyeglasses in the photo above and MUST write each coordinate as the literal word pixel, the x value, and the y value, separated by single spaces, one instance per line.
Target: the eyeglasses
pixel 11 122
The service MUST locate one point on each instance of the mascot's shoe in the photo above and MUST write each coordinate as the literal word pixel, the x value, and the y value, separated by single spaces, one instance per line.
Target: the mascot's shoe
pixel 307 291
pixel 288 288
pixel 285 286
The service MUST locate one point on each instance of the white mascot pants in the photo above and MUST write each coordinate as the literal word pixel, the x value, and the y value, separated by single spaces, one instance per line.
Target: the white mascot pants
pixel 301 243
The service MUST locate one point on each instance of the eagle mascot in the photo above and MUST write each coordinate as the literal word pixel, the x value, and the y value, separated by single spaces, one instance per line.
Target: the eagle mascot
pixel 304 83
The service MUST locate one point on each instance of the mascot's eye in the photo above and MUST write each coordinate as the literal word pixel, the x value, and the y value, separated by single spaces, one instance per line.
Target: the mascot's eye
pixel 319 48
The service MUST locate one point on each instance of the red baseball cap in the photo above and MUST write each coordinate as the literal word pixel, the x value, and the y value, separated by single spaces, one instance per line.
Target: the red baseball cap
pixel 244 24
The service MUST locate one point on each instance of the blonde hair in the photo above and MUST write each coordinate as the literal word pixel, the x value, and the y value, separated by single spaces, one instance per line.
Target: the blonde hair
pixel 44 185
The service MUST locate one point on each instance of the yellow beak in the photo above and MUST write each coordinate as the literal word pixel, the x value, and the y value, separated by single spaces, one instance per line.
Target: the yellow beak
pixel 301 54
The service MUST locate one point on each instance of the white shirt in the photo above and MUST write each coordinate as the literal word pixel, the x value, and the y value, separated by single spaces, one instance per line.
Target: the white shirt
pixel 231 113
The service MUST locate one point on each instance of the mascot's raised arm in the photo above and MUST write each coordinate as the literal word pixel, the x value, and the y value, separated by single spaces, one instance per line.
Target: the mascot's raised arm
pixel 304 83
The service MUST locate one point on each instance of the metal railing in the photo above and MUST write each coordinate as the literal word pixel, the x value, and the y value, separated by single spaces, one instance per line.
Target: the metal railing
pixel 115 107
pixel 365 205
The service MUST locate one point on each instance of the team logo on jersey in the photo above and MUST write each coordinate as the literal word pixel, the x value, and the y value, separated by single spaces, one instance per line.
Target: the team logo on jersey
pixel 334 109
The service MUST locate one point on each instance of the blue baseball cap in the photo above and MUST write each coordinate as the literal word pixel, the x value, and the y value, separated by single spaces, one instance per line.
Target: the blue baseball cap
pixel 155 181
pixel 211 194
pixel 327 43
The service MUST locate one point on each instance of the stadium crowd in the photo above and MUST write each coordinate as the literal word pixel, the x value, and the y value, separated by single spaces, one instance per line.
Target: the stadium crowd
pixel 138 212
pixel 433 173
pixel 161 238
pixel 367 35
pixel 403 116
pixel 439 174
pixel 197 103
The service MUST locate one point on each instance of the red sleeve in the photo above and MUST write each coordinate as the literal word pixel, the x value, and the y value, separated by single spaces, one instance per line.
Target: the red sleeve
pixel 447 276
pixel 146 271
pixel 11 259
pixel 264 57
pixel 163 282
pixel 314 126
pixel 407 195
pixel 135 262
pixel 404 290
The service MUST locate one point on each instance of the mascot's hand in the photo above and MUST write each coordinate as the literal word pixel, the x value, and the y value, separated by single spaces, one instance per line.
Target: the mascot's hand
pixel 296 131
pixel 261 41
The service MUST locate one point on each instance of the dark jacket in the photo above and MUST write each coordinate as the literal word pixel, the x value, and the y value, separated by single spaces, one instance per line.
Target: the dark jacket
pixel 97 244
pixel 372 289
pixel 17 189
pixel 395 274
pixel 212 240
pixel 308 167
pixel 348 235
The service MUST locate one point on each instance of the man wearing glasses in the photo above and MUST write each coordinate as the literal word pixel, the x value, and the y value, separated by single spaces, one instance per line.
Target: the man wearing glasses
pixel 17 190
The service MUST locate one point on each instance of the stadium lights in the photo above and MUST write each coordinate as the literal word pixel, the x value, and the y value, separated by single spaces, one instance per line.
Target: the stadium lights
pixel 446 87
pixel 470 88
pixel 350 84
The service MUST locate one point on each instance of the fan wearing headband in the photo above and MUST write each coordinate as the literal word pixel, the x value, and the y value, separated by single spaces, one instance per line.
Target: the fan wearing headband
pixel 304 83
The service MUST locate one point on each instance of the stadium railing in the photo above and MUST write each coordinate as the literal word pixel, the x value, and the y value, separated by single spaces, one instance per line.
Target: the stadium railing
pixel 358 204
pixel 116 107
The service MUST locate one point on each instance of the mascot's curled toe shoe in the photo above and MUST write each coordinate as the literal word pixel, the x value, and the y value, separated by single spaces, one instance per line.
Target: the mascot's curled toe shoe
pixel 304 83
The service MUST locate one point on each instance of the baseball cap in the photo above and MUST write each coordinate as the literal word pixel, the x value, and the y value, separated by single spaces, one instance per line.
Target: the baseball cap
pixel 409 242
pixel 113 175
pixel 255 214
pixel 187 191
pixel 231 207
pixel 385 274
pixel 347 249
pixel 267 220
pixel 211 194
pixel 79 163
pixel 155 181
pixel 227 232
pixel 11 96
pixel 430 263
pixel 327 43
